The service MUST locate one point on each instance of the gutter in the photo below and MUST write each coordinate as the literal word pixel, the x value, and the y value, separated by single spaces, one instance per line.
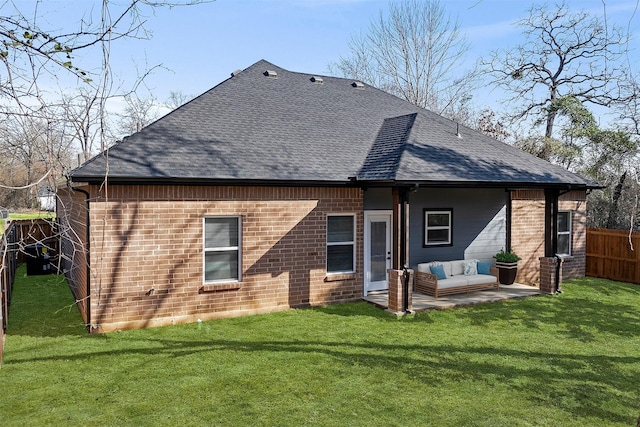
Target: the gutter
pixel 352 181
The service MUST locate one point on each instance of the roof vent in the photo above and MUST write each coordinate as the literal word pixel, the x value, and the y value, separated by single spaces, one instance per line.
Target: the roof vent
pixel 270 73
pixel 458 134
pixel 358 85
pixel 315 79
pixel 235 73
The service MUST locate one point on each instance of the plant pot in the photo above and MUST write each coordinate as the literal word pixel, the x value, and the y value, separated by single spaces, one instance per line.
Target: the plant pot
pixel 507 272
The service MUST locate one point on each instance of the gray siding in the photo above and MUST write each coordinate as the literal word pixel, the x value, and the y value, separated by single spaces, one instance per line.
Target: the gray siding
pixel 378 199
pixel 478 223
pixel 479 227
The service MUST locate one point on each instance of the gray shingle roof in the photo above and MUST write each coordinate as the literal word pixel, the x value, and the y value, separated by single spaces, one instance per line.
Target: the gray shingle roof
pixel 257 128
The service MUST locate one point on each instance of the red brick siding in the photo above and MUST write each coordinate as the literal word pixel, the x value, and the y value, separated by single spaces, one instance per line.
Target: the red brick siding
pixel 71 216
pixel 147 256
pixel 527 233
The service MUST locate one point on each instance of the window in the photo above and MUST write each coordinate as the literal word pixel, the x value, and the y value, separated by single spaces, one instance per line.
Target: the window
pixel 437 227
pixel 221 249
pixel 341 244
pixel 564 233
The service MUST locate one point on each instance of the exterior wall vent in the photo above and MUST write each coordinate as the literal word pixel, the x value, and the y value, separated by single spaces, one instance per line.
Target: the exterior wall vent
pixel 358 85
pixel 317 80
pixel 270 73
pixel 235 73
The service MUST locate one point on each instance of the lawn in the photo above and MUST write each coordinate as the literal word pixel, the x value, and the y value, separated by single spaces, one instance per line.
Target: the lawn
pixel 27 215
pixel 567 360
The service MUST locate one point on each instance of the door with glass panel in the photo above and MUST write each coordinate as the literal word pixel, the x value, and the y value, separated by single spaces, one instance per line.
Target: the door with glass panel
pixel 377 247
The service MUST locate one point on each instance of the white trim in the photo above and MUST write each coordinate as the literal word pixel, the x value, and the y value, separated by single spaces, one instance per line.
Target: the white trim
pixel 206 250
pixel 448 227
pixel 387 215
pixel 353 215
pixel 569 232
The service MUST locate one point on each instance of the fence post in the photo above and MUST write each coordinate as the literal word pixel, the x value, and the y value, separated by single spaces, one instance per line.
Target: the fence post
pixel 635 240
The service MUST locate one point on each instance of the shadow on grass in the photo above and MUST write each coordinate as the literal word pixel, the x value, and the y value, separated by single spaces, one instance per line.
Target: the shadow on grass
pixel 43 306
pixel 579 384
pixel 356 309
pixel 582 384
pixel 587 307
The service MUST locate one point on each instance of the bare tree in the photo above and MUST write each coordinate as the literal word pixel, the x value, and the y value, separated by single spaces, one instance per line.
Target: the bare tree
pixel 81 114
pixel 564 53
pixel 34 59
pixel 414 51
pixel 489 124
pixel 177 99
pixel 34 153
pixel 138 113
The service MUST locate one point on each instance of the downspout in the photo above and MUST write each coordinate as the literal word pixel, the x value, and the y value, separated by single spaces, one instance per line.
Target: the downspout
pixel 509 210
pixel 404 200
pixel 559 259
pixel 87 262
pixel 551 231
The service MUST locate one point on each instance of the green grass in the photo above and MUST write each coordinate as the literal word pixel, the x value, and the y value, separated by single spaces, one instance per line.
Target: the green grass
pixel 27 215
pixel 568 360
pixel 32 215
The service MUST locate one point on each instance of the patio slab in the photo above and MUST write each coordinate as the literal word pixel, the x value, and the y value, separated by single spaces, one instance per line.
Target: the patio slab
pixel 422 302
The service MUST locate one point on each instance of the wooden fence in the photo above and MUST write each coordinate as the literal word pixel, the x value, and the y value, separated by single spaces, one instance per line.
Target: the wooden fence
pixel 613 254
pixel 9 263
pixel 17 237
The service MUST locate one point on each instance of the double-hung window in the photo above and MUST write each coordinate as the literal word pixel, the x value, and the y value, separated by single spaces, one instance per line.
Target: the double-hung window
pixel 564 233
pixel 438 224
pixel 222 249
pixel 341 243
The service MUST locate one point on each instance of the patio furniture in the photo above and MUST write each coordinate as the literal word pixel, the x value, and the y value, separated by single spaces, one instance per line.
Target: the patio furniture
pixel 454 277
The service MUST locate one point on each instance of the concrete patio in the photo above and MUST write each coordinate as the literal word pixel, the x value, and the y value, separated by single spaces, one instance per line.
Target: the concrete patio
pixel 422 302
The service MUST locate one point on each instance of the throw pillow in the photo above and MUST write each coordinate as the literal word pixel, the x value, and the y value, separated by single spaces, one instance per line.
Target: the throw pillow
pixel 484 267
pixel 438 270
pixel 470 267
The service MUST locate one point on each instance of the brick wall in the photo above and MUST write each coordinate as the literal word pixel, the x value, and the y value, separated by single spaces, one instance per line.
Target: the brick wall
pixel 71 218
pixel 527 233
pixel 147 252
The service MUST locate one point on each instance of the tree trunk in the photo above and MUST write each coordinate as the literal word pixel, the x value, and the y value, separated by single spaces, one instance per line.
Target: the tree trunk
pixel 613 208
pixel 551 118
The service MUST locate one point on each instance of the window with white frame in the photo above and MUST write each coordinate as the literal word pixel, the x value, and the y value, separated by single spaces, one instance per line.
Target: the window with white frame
pixel 341 243
pixel 438 225
pixel 221 249
pixel 564 233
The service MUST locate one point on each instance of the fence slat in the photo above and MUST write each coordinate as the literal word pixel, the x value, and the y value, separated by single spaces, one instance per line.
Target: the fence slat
pixel 8 267
pixel 16 236
pixel 613 254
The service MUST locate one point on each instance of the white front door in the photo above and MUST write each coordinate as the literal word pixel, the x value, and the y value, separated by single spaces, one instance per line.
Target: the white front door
pixel 377 250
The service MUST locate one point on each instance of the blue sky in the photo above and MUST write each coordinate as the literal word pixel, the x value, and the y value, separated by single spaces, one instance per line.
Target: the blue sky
pixel 199 46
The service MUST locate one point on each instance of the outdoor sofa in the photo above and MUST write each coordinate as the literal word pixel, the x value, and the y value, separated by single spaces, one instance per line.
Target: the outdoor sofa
pixel 454 277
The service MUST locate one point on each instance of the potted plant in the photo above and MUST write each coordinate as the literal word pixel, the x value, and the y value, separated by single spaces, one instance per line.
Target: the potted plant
pixel 507 265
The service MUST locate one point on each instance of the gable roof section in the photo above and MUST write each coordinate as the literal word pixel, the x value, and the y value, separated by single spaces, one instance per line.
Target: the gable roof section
pixel 383 159
pixel 291 128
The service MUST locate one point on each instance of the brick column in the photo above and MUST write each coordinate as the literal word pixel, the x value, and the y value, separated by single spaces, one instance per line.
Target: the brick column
pixel 548 268
pixel 396 291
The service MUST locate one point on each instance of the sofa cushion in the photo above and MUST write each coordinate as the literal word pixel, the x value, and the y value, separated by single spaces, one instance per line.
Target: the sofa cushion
pixel 447 268
pixel 438 270
pixel 470 267
pixel 425 267
pixel 479 279
pixel 457 267
pixel 460 280
pixel 484 267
